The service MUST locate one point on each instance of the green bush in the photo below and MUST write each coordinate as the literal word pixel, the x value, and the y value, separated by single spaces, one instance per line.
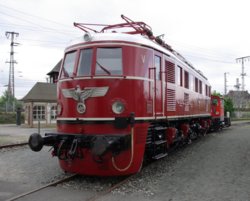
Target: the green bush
pixel 9 118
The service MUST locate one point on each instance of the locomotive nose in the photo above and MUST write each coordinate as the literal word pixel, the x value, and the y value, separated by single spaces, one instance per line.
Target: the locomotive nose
pixel 36 142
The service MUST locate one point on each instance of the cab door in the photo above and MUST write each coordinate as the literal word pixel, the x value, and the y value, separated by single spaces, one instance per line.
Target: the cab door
pixel 158 86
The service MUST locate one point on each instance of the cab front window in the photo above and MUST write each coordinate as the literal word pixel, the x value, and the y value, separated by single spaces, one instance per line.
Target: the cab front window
pixel 84 66
pixel 215 102
pixel 109 61
pixel 68 65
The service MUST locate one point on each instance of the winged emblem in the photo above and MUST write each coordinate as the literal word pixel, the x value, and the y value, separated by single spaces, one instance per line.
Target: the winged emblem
pixel 81 95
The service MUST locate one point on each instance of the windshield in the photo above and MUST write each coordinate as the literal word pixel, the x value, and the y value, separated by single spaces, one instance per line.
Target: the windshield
pixel 68 65
pixel 109 61
pixel 84 66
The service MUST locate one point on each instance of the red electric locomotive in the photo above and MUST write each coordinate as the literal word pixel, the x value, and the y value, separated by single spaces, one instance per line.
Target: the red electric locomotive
pixel 124 96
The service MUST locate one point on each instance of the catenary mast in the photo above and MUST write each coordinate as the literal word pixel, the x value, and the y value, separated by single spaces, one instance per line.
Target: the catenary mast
pixel 11 84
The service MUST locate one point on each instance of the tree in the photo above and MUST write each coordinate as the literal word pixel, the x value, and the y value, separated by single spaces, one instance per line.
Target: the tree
pixel 8 102
pixel 216 94
pixel 228 103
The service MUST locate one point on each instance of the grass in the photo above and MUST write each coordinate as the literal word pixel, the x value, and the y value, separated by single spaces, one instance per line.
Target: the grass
pixel 240 119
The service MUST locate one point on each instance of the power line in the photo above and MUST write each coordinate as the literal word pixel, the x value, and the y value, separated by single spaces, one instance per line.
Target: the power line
pixel 33 23
pixel 203 56
pixel 207 58
pixel 28 14
pixel 36 28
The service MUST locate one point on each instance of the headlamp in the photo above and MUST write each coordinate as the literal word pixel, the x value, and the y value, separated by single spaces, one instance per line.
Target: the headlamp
pixel 87 37
pixel 118 107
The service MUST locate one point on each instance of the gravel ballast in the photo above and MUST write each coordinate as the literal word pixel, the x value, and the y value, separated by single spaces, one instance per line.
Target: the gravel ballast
pixel 215 167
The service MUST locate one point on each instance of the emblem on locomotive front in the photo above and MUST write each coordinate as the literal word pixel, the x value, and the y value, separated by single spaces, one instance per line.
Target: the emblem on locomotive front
pixel 81 95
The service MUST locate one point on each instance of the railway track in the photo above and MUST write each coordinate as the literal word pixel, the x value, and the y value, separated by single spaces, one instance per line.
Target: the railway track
pixel 13 145
pixel 42 187
pixel 95 197
pixel 109 190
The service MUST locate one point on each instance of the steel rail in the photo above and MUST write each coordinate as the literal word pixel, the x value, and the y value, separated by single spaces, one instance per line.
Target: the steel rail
pixel 92 198
pixel 42 187
pixel 13 145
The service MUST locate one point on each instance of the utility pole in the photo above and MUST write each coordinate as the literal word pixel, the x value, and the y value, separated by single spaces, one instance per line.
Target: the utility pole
pixel 11 84
pixel 225 83
pixel 243 74
pixel 237 86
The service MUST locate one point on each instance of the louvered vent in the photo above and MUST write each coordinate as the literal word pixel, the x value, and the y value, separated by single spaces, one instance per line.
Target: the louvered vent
pixel 186 102
pixel 207 105
pixel 170 69
pixel 171 103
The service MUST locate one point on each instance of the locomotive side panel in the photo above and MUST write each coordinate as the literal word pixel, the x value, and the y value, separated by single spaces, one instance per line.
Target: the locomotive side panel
pixel 187 93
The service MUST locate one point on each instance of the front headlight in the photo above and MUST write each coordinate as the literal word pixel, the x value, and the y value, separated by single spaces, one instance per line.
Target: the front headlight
pixel 87 37
pixel 118 107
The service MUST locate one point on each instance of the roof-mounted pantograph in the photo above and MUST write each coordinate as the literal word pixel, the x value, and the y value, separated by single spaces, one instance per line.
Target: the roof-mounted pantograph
pixel 132 27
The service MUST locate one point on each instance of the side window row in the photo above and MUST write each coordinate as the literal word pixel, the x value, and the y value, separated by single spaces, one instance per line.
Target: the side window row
pixel 108 62
pixel 202 88
pixel 185 79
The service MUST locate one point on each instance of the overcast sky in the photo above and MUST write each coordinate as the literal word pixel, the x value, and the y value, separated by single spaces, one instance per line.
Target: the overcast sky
pixel 211 34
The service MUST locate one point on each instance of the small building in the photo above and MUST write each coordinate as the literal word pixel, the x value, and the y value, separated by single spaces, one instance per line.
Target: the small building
pixel 53 74
pixel 240 99
pixel 41 102
pixel 241 103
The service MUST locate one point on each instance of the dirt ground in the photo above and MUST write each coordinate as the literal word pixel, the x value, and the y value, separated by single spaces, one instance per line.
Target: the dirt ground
pixel 11 133
pixel 214 168
pixel 217 168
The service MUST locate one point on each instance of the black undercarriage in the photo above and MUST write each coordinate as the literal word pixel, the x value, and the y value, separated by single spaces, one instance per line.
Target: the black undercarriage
pixel 70 146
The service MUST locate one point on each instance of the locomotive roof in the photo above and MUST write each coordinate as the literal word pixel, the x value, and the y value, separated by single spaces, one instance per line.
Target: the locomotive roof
pixel 133 32
pixel 137 39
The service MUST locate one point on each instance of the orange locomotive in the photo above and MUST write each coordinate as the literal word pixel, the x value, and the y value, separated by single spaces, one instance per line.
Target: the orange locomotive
pixel 219 120
pixel 124 96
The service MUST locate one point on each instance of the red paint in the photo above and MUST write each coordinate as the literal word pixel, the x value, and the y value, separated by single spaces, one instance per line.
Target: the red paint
pixel 140 90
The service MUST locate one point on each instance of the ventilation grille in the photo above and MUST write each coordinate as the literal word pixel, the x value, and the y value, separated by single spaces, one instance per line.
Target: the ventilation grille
pixel 170 69
pixel 186 102
pixel 171 103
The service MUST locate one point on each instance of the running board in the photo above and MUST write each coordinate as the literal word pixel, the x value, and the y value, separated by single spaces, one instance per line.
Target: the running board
pixel 158 156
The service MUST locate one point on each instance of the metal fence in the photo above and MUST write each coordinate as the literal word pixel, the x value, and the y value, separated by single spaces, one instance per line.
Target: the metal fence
pixel 8 107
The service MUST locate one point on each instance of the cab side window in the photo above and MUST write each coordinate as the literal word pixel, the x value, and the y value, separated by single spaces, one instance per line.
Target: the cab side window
pixel 158 67
pixel 196 85
pixel 179 75
pixel 186 80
